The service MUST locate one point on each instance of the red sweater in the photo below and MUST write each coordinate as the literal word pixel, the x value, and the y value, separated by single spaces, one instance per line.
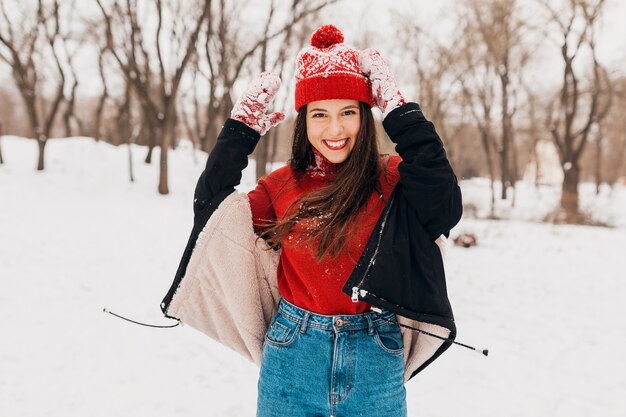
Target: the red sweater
pixel 301 279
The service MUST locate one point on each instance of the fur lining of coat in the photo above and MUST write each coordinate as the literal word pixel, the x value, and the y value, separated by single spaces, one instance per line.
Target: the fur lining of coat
pixel 230 292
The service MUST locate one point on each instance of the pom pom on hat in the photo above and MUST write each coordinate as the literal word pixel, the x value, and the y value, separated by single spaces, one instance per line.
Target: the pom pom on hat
pixel 326 36
pixel 329 69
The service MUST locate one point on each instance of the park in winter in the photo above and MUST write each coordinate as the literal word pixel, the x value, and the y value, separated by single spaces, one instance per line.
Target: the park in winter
pixel 110 109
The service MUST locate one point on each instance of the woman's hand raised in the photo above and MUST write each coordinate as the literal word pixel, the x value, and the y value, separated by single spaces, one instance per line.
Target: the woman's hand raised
pixel 251 107
pixel 387 95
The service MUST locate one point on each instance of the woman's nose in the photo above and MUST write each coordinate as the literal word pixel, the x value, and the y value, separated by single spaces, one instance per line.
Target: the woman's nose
pixel 335 127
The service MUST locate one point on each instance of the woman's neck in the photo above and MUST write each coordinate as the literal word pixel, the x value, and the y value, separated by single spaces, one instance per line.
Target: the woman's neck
pixel 321 167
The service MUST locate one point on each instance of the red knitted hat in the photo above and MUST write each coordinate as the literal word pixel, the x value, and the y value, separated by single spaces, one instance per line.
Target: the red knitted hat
pixel 329 69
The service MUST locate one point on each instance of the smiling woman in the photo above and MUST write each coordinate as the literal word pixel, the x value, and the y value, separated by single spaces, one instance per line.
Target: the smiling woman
pixel 354 238
pixel 332 127
pixel 336 171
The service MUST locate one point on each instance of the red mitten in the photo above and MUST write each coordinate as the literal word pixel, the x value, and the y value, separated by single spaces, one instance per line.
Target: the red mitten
pixel 251 107
pixel 385 89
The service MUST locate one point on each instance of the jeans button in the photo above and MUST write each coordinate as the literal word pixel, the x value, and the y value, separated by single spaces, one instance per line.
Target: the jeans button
pixel 338 322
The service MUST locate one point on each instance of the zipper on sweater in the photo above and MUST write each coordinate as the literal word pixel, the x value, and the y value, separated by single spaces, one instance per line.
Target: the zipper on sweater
pixel 356 291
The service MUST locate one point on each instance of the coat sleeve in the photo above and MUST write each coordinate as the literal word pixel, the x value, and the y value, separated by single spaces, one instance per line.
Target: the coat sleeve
pixel 428 181
pixel 224 166
pixel 222 173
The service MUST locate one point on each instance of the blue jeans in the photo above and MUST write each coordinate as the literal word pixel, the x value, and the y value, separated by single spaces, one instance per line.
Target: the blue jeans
pixel 316 365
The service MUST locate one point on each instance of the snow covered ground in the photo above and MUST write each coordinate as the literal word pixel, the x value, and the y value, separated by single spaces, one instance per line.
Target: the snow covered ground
pixel 546 300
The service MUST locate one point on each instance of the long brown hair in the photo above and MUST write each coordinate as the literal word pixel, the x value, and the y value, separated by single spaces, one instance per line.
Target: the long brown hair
pixel 328 213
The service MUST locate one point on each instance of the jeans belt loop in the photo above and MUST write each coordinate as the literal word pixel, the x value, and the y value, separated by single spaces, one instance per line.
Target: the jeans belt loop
pixel 305 321
pixel 370 325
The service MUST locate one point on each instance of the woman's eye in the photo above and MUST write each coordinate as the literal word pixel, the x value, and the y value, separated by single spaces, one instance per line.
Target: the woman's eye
pixel 318 115
pixel 349 112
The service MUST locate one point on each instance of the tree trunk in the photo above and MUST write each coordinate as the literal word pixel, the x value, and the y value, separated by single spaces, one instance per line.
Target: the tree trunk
pixel 97 132
pixel 35 129
pixel 166 140
pixel 569 195
pixel 210 138
pixel 163 188
pixel 148 159
pixel 261 156
pixel 506 132
pixel 103 98
pixel 41 142
pixel 154 130
pixel 151 142
pixel 598 160
pixel 274 145
pixel 67 114
pixel 485 142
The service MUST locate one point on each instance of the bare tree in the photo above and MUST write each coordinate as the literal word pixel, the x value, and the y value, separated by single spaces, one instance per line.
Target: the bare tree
pixel 297 38
pixel 71 44
pixel 224 59
pixel 190 109
pixel 98 131
pixel 27 45
pixel 154 76
pixel 266 149
pixel 568 126
pixel 502 31
pixel 479 96
pixel 435 76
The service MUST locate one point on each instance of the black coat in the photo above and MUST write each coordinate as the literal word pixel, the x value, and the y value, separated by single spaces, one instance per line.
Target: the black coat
pixel 401 268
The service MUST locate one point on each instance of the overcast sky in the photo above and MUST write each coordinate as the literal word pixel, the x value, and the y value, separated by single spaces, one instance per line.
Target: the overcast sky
pixel 356 17
pixel 437 18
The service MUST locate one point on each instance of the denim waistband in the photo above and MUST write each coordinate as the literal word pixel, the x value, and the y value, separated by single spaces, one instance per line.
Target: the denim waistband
pixel 341 322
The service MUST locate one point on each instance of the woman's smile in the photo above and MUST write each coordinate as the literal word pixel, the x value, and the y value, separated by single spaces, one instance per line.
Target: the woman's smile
pixel 336 145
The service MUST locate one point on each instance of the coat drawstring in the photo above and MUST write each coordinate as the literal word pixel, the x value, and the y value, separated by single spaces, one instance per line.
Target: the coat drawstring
pixel 483 351
pixel 178 322
pixel 143 324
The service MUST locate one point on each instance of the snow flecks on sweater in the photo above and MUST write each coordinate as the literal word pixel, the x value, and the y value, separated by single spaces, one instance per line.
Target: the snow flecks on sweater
pixel 317 286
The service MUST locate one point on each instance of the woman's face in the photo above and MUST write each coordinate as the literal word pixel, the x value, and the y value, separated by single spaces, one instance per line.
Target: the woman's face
pixel 332 127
